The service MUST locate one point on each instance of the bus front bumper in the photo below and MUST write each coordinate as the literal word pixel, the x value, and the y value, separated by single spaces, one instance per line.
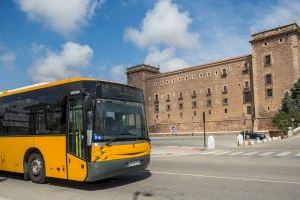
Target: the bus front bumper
pixel 106 169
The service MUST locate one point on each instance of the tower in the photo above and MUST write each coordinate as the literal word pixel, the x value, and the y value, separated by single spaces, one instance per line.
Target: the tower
pixel 137 75
pixel 275 60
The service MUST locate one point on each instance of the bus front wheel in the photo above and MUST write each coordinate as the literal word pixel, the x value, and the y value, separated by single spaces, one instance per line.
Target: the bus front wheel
pixel 36 168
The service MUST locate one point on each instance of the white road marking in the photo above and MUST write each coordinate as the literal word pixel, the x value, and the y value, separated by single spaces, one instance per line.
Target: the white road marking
pixel 236 153
pixel 298 154
pixel 228 177
pixel 283 153
pixel 210 152
pixel 266 153
pixel 251 153
pixel 1 198
pixel 222 152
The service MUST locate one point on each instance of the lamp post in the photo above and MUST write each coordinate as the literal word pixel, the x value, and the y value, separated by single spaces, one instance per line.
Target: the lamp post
pixel 204 134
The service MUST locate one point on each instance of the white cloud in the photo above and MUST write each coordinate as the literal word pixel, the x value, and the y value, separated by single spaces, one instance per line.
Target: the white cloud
pixel 165 58
pixel 286 11
pixel 62 16
pixel 166 25
pixel 7 59
pixel 118 73
pixel 58 65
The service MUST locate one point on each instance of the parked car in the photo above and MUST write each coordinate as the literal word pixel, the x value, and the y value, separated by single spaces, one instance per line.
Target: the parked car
pixel 253 135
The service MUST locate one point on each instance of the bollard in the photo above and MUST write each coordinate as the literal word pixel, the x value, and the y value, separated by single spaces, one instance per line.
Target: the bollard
pixel 210 142
pixel 252 142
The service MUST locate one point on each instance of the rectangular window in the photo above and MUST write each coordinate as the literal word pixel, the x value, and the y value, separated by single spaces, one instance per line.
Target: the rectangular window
pixel 168 98
pixel 194 104
pixel 195 113
pixel 168 107
pixel 246 84
pixel 225 101
pixel 247 97
pixel 156 108
pixel 209 103
pixel 224 73
pixel 249 110
pixel 208 92
pixel 268 79
pixel 225 110
pixel 180 96
pixel 156 101
pixel 225 91
pixel 194 94
pixel 269 92
pixel 181 106
pixel 268 60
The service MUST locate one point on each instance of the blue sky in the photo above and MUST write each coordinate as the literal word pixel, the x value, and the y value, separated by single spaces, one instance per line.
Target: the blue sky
pixel 45 40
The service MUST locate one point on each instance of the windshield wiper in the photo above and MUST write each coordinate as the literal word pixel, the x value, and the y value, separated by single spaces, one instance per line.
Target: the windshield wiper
pixel 112 140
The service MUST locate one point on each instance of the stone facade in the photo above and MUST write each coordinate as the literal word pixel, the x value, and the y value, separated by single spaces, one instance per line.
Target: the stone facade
pixel 237 93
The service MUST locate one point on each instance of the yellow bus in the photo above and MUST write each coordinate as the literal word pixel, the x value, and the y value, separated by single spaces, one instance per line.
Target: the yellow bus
pixel 76 129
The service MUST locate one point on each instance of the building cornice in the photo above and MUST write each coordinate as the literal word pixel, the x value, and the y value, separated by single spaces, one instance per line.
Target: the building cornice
pixel 204 66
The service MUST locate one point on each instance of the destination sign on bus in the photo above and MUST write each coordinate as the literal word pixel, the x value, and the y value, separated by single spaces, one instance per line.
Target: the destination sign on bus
pixel 118 91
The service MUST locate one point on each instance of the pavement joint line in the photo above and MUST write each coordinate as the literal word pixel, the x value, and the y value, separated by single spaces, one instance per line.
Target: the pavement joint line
pixel 251 153
pixel 222 153
pixel 210 152
pixel 266 153
pixel 172 155
pixel 236 153
pixel 298 154
pixel 283 153
pixel 228 177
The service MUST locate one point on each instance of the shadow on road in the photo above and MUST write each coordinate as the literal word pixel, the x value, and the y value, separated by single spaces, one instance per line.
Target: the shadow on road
pixel 102 184
pixel 6 175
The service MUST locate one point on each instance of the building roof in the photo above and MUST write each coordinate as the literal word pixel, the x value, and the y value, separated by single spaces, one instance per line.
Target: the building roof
pixel 275 32
pixel 203 66
pixel 42 85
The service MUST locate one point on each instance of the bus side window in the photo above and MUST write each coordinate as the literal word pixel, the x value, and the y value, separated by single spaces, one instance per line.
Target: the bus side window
pixel 49 121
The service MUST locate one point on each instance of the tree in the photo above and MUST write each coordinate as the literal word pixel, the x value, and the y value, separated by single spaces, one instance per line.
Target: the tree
pixel 295 93
pixel 288 104
pixel 290 108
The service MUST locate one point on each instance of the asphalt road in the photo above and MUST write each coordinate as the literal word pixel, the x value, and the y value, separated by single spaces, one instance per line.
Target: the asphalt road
pixel 267 171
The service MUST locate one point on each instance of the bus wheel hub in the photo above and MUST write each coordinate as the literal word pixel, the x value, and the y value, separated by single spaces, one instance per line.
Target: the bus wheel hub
pixel 36 167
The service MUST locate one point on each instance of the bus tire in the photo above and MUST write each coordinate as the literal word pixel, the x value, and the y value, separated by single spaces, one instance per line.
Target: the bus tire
pixel 36 166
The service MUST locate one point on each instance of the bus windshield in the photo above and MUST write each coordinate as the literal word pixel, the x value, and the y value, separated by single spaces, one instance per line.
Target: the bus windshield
pixel 119 120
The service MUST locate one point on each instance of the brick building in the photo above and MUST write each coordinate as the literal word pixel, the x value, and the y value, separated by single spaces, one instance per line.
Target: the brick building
pixel 236 93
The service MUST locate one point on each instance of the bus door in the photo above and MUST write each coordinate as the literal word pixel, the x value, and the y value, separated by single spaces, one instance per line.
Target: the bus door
pixel 76 140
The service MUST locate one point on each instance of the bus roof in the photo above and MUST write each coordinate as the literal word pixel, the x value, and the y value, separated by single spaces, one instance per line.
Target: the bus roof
pixel 43 85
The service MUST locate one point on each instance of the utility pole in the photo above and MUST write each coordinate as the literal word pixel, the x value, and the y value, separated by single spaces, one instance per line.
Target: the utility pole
pixel 204 134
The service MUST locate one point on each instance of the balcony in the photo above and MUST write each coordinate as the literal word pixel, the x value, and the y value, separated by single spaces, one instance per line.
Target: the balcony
pixel 224 92
pixel 194 96
pixel 208 94
pixel 180 98
pixel 156 101
pixel 167 100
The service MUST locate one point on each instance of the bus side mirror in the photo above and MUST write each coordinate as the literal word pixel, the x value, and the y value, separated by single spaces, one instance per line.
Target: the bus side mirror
pixel 89 134
pixel 89 131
